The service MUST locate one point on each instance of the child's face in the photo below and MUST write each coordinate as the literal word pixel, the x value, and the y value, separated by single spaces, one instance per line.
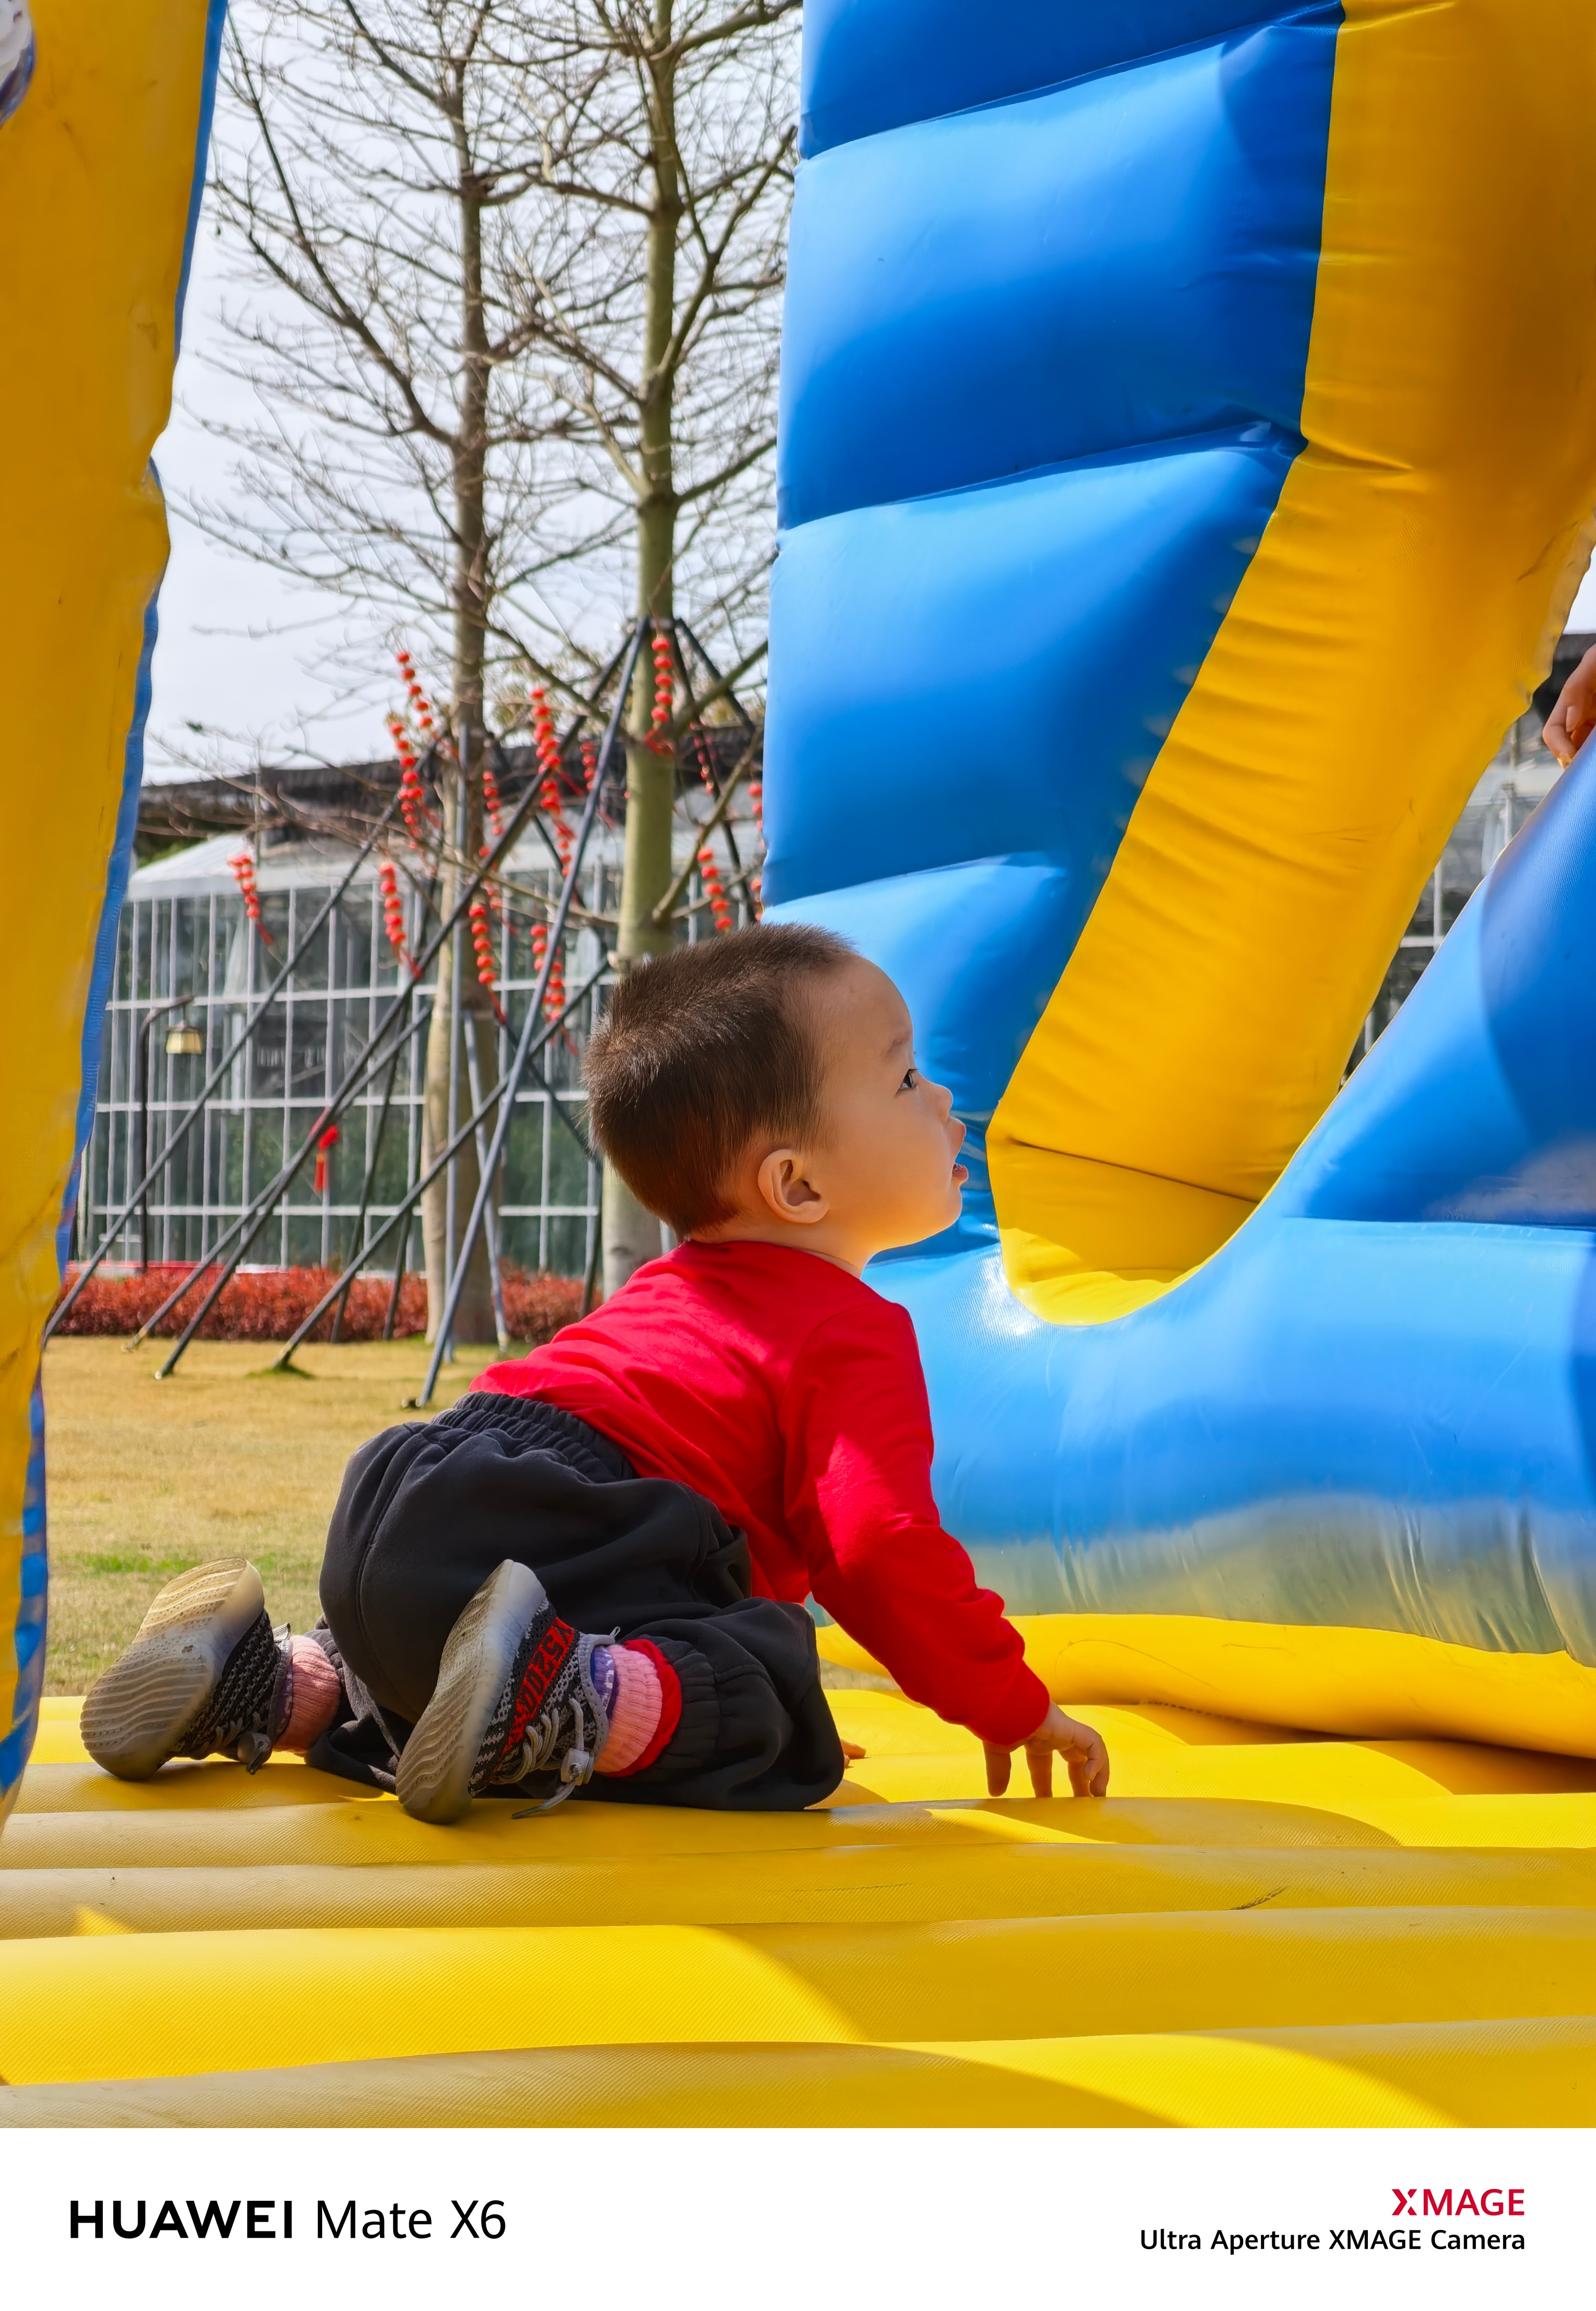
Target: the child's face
pixel 883 1169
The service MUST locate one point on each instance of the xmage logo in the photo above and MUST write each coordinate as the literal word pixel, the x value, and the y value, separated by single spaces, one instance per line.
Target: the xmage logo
pixel 1493 2200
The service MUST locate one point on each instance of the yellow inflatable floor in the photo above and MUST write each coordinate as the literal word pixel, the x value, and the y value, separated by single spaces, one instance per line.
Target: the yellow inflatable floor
pixel 1258 1928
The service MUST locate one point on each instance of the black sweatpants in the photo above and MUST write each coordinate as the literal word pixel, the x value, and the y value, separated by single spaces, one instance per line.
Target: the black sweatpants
pixel 425 1512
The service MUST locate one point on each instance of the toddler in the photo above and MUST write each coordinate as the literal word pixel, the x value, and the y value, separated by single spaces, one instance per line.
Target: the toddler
pixel 591 1572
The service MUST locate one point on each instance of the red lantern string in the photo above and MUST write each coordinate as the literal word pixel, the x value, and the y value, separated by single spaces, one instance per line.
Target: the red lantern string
pixel 421 706
pixel 547 745
pixel 659 739
pixel 714 889
pixel 393 912
pixel 481 939
pixel 492 803
pixel 554 994
pixel 327 1141
pixel 243 871
pixel 494 812
pixel 413 798
pixel 755 881
pixel 590 763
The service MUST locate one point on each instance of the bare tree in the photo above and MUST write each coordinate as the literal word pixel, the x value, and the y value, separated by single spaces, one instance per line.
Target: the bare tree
pixel 527 378
pixel 665 138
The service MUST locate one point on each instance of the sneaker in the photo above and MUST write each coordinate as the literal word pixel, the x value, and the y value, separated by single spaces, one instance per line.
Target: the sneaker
pixel 515 1695
pixel 202 1678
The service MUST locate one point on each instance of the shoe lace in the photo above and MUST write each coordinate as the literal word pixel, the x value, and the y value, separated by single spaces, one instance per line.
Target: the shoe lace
pixel 238 1722
pixel 538 1750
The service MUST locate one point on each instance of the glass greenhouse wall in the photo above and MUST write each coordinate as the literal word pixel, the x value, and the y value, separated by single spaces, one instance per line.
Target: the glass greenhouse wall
pixel 187 956
pixel 185 942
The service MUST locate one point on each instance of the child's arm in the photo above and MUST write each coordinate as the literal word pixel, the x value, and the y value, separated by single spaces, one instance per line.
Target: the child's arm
pixel 858 1499
pixel 1573 717
pixel 1080 1746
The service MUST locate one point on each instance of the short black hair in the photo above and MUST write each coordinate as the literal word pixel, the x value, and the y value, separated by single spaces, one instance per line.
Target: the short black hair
pixel 702 1051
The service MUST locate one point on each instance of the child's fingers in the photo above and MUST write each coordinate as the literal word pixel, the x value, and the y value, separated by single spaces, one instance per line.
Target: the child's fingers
pixel 1039 1757
pixel 852 1750
pixel 999 1766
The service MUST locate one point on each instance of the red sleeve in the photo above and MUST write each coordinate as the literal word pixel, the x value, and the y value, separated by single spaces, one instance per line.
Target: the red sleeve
pixel 857 1430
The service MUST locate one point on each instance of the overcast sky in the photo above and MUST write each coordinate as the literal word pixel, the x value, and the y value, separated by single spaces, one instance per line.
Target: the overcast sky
pixel 257 664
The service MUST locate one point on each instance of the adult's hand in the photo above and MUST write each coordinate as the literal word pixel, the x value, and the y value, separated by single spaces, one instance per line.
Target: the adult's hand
pixel 1573 717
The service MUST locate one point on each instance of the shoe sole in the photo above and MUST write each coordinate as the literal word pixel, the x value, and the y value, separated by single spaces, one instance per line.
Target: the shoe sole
pixel 434 1776
pixel 137 1716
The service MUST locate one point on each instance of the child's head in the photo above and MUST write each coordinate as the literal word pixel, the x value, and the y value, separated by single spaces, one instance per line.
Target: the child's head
pixel 763 1085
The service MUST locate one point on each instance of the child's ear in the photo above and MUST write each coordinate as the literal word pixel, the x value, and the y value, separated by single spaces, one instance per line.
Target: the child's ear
pixel 787 1191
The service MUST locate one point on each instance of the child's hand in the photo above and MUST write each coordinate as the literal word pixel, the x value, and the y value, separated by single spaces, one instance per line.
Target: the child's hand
pixel 1573 717
pixel 1082 1750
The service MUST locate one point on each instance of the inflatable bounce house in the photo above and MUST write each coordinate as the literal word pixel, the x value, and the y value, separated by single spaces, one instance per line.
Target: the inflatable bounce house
pixel 1189 450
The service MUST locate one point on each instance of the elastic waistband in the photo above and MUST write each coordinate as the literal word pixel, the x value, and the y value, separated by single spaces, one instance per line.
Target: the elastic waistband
pixel 539 1428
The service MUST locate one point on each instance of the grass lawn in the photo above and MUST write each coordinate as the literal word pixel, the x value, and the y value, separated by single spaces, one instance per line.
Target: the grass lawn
pixel 146 1477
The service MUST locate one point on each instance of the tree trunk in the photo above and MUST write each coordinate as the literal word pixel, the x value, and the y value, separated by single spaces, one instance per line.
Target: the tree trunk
pixel 463 810
pixel 630 1234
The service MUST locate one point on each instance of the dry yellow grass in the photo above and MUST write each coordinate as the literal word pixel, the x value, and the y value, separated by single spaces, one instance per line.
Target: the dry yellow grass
pixel 146 1478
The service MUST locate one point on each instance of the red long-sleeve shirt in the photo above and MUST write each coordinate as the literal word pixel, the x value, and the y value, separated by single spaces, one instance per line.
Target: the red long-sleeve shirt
pixel 785 1391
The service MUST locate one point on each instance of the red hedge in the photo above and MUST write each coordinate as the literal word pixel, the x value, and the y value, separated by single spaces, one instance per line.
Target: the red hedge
pixel 272 1305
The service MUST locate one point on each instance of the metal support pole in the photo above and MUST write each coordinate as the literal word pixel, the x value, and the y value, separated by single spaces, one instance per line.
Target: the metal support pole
pixel 366 1063
pixel 451 1179
pixel 249 1223
pixel 412 1195
pixel 361 1070
pixel 192 1115
pixel 556 935
pixel 491 1232
pixel 374 1151
pixel 389 1320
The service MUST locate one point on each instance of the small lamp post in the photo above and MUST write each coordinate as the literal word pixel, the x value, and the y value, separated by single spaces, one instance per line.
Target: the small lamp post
pixel 181 1040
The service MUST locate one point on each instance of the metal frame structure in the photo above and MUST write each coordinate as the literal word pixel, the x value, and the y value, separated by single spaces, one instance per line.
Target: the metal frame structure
pixel 314 1011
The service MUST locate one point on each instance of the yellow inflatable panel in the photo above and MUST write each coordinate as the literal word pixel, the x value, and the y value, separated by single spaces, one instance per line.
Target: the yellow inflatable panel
pixel 1258 1927
pixel 98 171
pixel 1353 1681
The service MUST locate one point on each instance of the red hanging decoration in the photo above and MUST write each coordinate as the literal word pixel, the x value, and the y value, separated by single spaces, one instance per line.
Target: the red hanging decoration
pixel 714 889
pixel 481 939
pixel 554 994
pixel 492 804
pixel 243 871
pixel 755 881
pixel 412 798
pixel 590 763
pixel 546 743
pixel 393 912
pixel 659 740
pixel 324 1145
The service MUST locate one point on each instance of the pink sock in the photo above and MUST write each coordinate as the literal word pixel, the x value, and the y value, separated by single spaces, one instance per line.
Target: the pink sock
pixel 635 1713
pixel 313 1691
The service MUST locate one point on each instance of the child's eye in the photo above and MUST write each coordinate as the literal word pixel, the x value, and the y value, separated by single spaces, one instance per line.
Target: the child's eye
pixel 910 1078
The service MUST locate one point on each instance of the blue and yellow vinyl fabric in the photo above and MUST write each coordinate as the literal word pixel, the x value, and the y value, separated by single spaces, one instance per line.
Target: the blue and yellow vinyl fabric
pixel 1188 453
pixel 104 119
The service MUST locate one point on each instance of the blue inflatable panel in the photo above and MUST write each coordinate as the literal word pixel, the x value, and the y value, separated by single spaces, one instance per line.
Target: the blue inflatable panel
pixel 1142 440
pixel 1050 278
pixel 1478 1102
pixel 871 64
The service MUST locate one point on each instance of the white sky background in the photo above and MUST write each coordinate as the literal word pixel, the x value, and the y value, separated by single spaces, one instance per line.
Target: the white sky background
pixel 260 664
pixel 244 652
